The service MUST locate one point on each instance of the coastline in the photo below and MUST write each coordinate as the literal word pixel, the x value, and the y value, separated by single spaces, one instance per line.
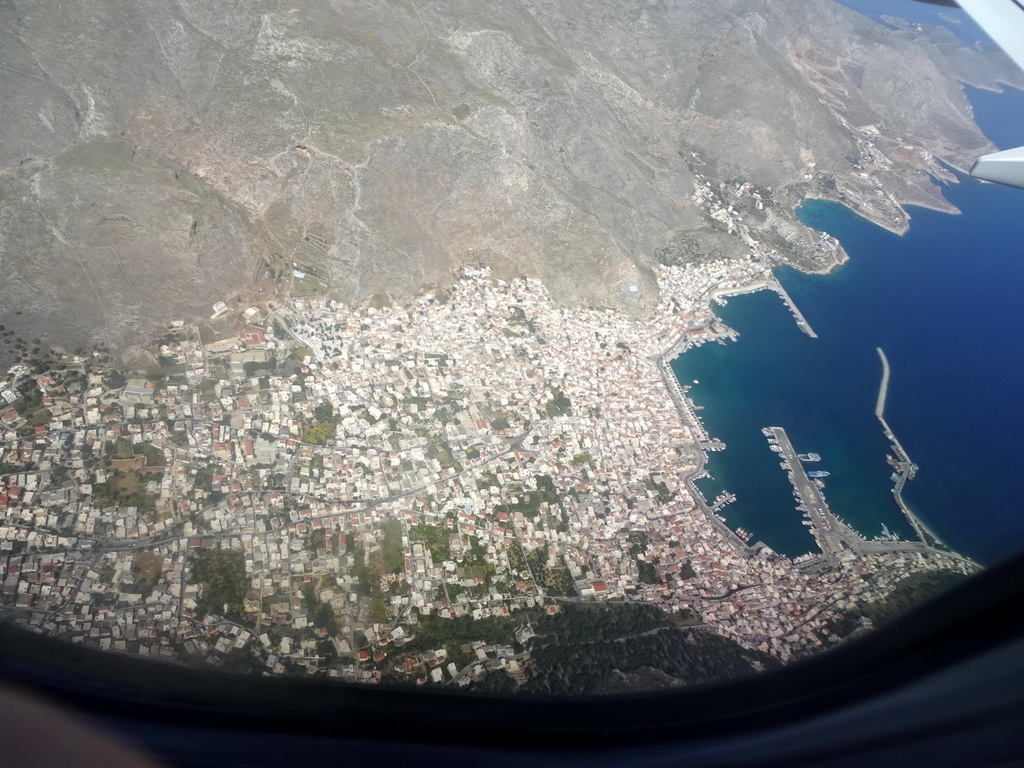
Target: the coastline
pixel 689 416
pixel 900 231
pixel 686 407
pixel 879 222
pixel 926 539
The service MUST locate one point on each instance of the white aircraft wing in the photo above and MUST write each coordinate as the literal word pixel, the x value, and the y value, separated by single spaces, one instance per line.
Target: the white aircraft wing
pixel 1003 20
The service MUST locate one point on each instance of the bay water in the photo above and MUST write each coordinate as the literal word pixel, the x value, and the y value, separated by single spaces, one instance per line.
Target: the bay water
pixel 946 303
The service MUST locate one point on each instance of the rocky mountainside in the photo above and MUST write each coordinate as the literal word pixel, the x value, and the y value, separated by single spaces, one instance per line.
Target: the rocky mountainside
pixel 158 157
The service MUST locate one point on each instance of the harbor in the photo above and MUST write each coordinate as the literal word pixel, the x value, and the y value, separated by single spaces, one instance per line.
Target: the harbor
pixel 740 538
pixel 832 535
pixel 773 284
pixel 824 393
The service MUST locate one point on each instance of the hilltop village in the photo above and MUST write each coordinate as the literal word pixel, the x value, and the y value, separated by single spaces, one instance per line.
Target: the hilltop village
pixel 331 490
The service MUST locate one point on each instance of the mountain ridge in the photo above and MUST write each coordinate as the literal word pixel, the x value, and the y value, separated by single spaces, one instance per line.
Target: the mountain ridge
pixel 159 158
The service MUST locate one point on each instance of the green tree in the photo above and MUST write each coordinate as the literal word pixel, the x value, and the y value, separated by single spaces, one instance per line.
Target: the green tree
pixel 222 574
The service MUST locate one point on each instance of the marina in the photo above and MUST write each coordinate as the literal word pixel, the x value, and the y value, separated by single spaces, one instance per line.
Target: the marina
pixel 832 535
pixel 959 418
pixel 707 444
pixel 719 297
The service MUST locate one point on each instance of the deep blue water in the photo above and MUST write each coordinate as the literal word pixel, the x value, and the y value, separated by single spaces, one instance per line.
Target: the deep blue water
pixel 946 303
pixel 923 13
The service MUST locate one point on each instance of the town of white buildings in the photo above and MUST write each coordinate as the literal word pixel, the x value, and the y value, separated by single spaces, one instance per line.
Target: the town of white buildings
pixel 357 473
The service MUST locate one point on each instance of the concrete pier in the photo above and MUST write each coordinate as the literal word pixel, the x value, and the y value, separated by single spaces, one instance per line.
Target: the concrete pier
pixel 771 284
pixel 723 500
pixel 832 534
pixel 905 468
pixel 883 390
pixel 801 321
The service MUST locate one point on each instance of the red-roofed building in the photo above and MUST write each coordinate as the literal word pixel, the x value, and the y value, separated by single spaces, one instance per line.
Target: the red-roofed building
pixel 253 337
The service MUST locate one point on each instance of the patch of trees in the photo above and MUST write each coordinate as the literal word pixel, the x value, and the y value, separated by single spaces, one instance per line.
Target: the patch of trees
pixel 253 367
pixel 114 379
pixel 648 574
pixel 320 432
pixel 559 403
pixel 582 650
pixel 464 629
pixel 325 412
pixel 912 591
pixel 553 577
pixel 639 542
pixel 529 502
pixel 597 622
pixel 222 574
pixel 319 614
pixel 660 490
pixel 915 589
pixel 433 632
pixel 443 454
pixel 317 539
pixel 204 478
pixel 30 398
pixel 435 537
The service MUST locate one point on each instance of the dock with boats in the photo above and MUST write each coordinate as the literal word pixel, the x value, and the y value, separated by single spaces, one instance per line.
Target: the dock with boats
pixel 831 533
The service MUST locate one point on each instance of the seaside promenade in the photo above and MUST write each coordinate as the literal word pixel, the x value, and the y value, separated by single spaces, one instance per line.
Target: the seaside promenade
pixel 685 408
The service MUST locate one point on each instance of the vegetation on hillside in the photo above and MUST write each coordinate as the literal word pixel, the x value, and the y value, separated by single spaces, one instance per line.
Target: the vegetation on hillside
pixel 222 574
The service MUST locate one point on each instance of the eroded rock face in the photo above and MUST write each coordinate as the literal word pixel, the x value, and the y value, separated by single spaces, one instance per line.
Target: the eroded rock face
pixel 155 157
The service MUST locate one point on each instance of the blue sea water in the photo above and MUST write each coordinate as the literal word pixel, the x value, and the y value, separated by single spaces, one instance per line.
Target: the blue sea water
pixel 953 19
pixel 946 303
